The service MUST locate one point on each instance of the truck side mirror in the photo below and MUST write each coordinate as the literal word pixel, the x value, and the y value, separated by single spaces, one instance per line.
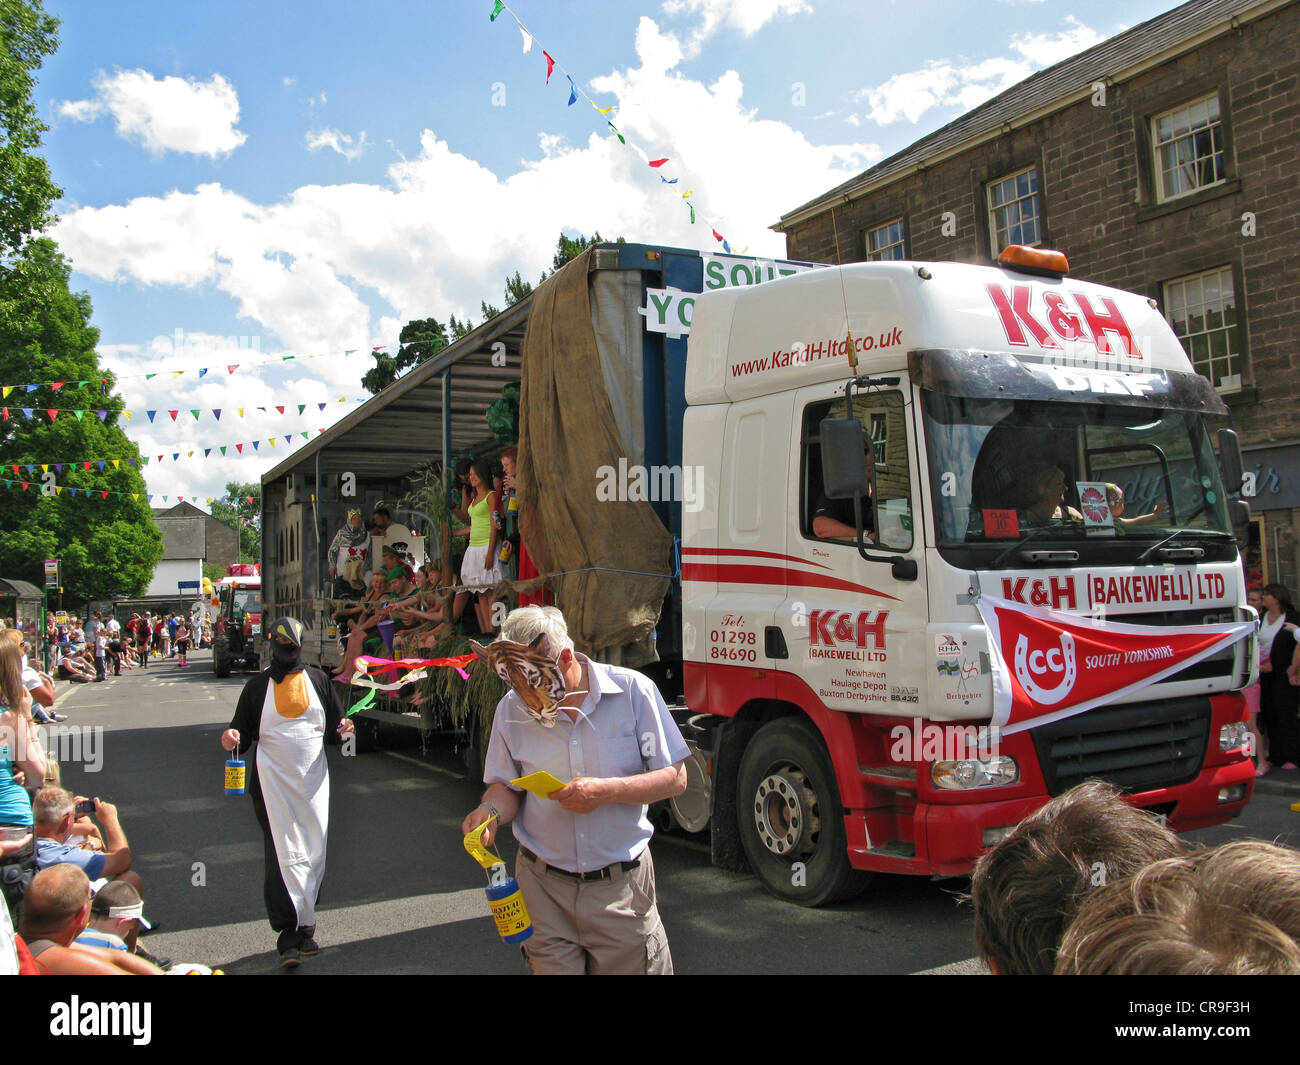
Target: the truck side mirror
pixel 842 445
pixel 1233 479
pixel 1230 457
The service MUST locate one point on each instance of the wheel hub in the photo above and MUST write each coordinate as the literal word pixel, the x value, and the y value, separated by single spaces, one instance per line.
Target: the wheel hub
pixel 785 813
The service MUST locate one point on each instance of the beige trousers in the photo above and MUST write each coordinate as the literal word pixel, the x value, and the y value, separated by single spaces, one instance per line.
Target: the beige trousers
pixel 593 927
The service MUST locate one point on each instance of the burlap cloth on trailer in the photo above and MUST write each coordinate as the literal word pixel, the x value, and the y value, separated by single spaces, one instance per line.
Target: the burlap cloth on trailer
pixel 567 433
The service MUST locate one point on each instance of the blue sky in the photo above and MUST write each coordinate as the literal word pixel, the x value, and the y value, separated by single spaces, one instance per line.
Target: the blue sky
pixel 305 178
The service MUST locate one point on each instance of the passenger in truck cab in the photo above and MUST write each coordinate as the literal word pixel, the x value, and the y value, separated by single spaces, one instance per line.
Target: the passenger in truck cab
pixel 1115 499
pixel 832 519
pixel 1045 486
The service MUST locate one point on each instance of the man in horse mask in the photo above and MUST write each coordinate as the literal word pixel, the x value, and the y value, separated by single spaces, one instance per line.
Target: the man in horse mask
pixel 291 711
pixel 584 866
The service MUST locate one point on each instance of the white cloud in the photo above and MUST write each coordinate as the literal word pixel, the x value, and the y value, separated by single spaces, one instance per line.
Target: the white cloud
pixel 247 400
pixel 350 149
pixel 165 114
pixel 1044 49
pixel 329 267
pixel 945 83
pixel 746 16
pixel 318 100
pixel 287 81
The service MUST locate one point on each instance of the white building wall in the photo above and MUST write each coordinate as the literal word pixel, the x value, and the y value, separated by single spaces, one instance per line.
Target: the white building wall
pixel 170 571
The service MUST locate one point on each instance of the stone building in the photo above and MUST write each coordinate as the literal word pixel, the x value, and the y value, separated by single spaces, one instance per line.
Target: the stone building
pixel 191 537
pixel 1163 161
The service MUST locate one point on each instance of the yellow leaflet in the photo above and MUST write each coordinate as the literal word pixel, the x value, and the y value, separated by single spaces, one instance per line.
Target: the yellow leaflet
pixel 474 844
pixel 540 783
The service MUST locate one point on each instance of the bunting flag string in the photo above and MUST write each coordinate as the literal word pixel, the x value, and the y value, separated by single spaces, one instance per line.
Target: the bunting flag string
pixel 186 452
pixel 87 491
pixel 576 90
pixel 102 383
pixel 52 413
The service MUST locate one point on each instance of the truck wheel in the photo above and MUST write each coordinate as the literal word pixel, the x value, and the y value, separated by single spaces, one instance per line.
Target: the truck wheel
pixel 220 659
pixel 791 820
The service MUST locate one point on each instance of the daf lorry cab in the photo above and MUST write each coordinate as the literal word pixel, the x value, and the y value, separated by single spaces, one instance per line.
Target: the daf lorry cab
pixel 1036 457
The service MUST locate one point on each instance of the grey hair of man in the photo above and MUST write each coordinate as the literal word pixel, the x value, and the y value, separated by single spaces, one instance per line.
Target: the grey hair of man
pixel 51 805
pixel 526 623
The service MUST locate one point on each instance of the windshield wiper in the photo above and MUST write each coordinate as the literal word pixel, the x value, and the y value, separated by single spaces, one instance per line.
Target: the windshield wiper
pixel 1014 548
pixel 1177 532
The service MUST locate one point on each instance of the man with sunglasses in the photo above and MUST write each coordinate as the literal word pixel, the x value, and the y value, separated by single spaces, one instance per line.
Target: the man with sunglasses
pixel 584 866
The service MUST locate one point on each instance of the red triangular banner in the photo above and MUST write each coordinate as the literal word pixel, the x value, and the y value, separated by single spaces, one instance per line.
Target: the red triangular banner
pixel 659 162
pixel 550 66
pixel 173 413
pixel 52 413
pixel 1048 665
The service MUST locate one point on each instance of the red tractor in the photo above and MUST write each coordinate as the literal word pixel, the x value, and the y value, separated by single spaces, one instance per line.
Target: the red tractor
pixel 236 636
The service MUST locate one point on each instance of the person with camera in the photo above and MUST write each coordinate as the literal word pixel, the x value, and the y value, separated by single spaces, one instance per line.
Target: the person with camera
pixel 63 822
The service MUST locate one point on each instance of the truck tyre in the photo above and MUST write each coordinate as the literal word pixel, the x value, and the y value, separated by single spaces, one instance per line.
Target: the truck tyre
pixel 220 658
pixel 791 820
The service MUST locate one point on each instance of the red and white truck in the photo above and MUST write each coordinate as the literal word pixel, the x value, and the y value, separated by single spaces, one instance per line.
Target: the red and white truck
pixel 1003 629
pixel 895 705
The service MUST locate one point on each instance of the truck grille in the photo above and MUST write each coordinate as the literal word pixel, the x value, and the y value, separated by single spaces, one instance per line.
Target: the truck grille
pixel 1136 747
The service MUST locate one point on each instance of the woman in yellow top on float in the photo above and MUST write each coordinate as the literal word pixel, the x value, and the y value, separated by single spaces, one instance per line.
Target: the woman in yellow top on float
pixel 480 570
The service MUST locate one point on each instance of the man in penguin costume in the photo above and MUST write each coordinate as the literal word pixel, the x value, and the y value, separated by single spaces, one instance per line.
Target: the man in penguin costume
pixel 291 711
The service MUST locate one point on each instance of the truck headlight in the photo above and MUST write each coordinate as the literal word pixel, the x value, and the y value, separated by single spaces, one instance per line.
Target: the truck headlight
pixel 965 773
pixel 1234 735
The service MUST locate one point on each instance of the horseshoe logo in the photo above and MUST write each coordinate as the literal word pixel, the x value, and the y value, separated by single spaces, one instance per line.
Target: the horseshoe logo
pixel 1055 660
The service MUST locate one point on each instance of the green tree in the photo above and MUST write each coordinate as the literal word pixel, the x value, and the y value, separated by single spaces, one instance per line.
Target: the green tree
pixel 566 249
pixel 241 509
pixel 419 340
pixel 27 36
pixel 109 545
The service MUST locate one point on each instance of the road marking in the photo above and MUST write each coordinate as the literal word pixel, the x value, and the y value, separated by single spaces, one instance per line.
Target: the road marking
pixel 425 765
pixel 967 967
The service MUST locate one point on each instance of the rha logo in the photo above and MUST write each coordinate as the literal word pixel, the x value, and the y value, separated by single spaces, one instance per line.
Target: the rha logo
pixel 866 629
pixel 1091 325
pixel 1059 591
pixel 1046 674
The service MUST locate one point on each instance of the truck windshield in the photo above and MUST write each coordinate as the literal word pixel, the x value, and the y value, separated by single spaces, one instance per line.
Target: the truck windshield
pixel 248 601
pixel 1104 476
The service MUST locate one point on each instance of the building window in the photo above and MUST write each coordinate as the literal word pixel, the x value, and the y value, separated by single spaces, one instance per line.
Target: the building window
pixel 1014 214
pixel 885 242
pixel 1202 309
pixel 1188 146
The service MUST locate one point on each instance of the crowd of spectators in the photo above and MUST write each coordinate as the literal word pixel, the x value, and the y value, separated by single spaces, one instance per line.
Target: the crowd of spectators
pixel 65 863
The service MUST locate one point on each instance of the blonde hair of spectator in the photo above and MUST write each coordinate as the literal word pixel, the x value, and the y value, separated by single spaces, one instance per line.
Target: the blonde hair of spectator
pixel 1232 910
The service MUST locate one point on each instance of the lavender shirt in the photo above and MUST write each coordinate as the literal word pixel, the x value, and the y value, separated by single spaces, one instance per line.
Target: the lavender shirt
pixel 622 729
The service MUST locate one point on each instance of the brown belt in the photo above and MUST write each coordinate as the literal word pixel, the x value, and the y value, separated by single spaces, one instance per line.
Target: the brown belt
pixel 596 874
